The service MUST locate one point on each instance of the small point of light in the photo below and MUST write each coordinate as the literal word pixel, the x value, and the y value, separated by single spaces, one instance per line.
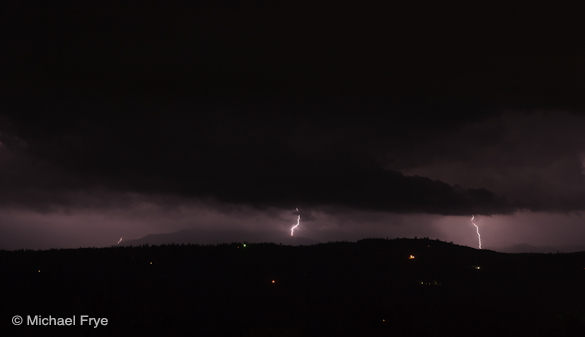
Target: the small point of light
pixel 38 271
pixel 411 257
pixel 245 245
pixel 150 262
pixel 383 320
pixel 477 267
pixel 273 281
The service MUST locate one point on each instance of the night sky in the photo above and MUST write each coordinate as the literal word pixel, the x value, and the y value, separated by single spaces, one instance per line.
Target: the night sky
pixel 142 118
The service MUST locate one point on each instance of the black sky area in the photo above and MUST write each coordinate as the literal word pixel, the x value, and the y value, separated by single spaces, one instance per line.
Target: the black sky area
pixel 284 104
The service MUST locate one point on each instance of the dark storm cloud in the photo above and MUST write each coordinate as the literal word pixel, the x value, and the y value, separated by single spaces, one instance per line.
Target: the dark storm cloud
pixel 535 159
pixel 272 106
pixel 489 164
pixel 254 170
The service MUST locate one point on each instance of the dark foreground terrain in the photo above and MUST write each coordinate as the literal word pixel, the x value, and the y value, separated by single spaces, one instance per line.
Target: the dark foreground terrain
pixel 368 288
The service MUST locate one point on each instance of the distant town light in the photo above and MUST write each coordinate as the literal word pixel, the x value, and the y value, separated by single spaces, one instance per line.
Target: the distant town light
pixel 273 282
pixel 245 245
pixel 150 262
pixel 411 257
pixel 477 267
pixel 38 271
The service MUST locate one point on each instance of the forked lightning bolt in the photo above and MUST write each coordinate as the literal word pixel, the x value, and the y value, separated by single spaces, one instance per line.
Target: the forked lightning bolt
pixel 477 230
pixel 292 229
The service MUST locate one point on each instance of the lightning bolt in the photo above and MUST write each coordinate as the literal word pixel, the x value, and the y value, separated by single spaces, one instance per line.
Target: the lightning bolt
pixel 292 229
pixel 476 229
pixel 120 241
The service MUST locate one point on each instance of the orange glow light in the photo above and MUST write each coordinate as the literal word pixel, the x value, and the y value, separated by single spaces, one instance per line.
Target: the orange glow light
pixel 411 257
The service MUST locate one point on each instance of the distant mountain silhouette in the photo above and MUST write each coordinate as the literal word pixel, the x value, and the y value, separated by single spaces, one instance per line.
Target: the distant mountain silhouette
pixel 207 237
pixel 527 248
pixel 298 241
pixel 216 237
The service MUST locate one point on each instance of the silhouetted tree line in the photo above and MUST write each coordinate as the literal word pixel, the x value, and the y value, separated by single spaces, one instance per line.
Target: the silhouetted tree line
pixel 368 288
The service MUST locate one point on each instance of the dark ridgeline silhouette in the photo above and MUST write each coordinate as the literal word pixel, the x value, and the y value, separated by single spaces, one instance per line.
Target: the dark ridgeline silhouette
pixel 400 287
